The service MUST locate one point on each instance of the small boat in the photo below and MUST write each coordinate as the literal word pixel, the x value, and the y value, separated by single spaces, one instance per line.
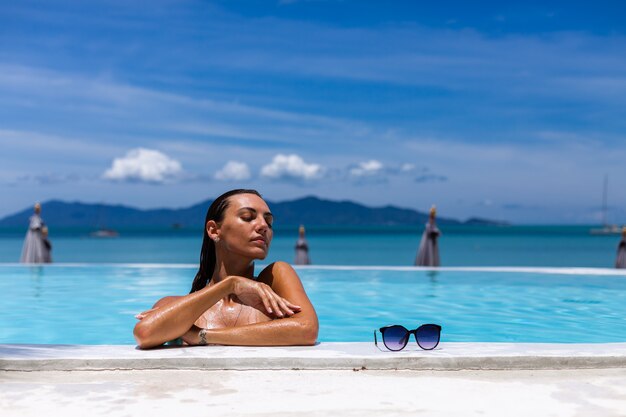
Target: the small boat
pixel 104 233
pixel 606 229
pixel 611 229
pixel 101 230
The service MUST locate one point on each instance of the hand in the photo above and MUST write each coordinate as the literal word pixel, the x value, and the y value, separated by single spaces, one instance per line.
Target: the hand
pixel 262 297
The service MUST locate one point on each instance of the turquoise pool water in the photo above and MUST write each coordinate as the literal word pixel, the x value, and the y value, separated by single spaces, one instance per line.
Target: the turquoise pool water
pixel 95 304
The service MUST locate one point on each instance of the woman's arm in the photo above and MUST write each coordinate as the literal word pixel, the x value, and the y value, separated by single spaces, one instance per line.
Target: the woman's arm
pixel 299 329
pixel 173 317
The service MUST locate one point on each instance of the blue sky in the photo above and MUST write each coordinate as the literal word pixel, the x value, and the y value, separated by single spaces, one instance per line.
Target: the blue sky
pixel 510 111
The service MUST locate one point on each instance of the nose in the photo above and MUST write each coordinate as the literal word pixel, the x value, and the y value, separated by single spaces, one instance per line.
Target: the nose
pixel 261 225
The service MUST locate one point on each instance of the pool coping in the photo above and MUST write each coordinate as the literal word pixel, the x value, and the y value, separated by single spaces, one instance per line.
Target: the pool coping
pixel 560 270
pixel 323 356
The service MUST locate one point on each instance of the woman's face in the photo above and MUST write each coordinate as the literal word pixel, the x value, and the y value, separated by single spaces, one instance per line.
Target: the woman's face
pixel 247 226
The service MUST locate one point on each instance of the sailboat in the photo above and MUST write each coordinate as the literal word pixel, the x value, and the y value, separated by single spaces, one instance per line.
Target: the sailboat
pixel 103 231
pixel 606 229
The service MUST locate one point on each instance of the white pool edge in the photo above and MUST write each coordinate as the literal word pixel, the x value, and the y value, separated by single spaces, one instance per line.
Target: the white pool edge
pixel 323 356
pixel 518 269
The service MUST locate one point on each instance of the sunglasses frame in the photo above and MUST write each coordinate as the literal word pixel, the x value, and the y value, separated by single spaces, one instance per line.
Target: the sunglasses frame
pixel 409 332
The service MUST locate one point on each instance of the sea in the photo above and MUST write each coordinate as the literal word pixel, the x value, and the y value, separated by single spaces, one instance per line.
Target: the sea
pixel 497 246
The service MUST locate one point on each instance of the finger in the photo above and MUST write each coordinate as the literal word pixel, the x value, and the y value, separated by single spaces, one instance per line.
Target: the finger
pixel 275 306
pixel 292 305
pixel 265 301
pixel 283 305
pixel 277 310
pixel 277 301
pixel 141 315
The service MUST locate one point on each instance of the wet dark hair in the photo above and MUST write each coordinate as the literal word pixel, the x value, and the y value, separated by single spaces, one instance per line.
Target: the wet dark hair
pixel 207 253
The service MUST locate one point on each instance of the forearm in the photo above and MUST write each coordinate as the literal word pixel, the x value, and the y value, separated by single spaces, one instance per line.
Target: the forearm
pixel 175 319
pixel 290 331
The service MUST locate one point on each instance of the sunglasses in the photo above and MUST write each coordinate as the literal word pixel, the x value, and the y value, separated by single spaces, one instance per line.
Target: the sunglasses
pixel 396 337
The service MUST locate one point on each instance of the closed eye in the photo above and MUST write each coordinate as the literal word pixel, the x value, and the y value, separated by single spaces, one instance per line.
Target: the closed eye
pixel 249 214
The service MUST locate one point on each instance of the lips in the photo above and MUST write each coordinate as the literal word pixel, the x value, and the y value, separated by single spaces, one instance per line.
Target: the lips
pixel 259 239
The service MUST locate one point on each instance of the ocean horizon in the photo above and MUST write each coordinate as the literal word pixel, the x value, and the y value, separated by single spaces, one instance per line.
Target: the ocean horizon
pixel 525 246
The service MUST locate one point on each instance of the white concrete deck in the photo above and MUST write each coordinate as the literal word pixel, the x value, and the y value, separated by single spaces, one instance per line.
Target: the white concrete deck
pixel 345 379
pixel 447 356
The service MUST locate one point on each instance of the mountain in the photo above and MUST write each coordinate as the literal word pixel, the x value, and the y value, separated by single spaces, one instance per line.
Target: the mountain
pixel 315 211
pixel 77 214
pixel 478 221
pixel 309 211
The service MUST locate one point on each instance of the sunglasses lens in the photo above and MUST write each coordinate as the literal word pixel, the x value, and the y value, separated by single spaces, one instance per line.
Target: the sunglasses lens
pixel 395 337
pixel 427 336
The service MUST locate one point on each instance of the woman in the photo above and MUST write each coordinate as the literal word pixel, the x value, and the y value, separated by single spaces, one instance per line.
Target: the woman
pixel 227 304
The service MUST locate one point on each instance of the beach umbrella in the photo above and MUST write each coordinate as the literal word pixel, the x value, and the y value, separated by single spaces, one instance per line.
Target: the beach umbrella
pixel 302 249
pixel 34 249
pixel 428 252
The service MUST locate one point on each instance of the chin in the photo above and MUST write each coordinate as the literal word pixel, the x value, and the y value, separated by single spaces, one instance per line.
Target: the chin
pixel 259 254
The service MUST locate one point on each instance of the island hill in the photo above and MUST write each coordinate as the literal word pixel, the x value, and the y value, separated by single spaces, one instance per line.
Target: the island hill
pixel 309 211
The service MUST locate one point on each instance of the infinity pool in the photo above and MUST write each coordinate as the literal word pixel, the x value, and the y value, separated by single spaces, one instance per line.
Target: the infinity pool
pixel 96 304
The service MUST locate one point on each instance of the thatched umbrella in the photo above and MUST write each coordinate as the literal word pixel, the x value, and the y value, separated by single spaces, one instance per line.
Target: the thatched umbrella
pixel 428 252
pixel 302 249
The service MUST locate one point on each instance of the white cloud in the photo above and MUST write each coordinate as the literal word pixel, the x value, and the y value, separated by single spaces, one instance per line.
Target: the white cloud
pixel 144 165
pixel 291 167
pixel 233 171
pixel 367 169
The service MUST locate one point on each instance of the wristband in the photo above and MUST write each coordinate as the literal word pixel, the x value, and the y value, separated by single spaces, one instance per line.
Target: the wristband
pixel 202 336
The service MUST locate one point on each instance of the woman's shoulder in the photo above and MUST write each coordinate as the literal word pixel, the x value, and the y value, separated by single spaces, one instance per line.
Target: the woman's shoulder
pixel 277 267
pixel 284 280
pixel 278 270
